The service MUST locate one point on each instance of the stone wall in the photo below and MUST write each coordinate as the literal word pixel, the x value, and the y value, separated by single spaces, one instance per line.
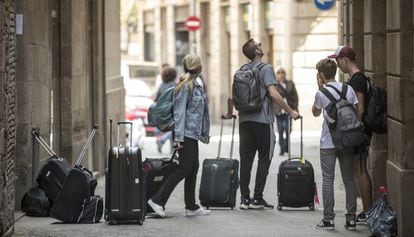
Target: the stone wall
pixel 381 32
pixel 400 84
pixel 7 116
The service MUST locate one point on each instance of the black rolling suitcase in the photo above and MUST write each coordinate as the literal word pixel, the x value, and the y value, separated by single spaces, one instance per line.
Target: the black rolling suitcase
pixel 76 192
pixel 296 181
pixel 53 173
pixel 124 191
pixel 156 173
pixel 220 178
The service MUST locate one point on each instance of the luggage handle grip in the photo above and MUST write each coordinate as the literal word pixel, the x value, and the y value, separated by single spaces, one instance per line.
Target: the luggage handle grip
pixel 130 133
pixel 234 117
pixel 124 123
pixel 301 137
pixel 170 160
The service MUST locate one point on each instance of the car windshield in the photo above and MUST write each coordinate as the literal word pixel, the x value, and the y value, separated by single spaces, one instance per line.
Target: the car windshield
pixel 137 88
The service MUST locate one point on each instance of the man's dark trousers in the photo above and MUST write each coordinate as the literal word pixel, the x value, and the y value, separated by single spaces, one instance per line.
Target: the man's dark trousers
pixel 254 137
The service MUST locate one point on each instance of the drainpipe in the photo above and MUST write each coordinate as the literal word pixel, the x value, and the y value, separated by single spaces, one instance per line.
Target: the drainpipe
pixel 104 127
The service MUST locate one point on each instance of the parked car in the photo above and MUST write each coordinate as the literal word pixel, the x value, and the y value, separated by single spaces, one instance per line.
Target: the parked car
pixel 138 99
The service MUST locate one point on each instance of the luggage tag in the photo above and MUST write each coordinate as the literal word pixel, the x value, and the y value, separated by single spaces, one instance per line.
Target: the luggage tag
pixel 116 152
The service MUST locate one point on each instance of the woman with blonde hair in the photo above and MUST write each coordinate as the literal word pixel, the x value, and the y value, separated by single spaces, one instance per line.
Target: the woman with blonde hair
pixel 190 111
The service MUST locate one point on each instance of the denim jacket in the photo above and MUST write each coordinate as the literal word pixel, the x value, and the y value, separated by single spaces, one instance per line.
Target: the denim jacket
pixel 191 114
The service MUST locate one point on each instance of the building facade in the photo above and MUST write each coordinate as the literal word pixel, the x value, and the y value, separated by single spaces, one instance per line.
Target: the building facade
pixel 59 74
pixel 295 35
pixel 381 32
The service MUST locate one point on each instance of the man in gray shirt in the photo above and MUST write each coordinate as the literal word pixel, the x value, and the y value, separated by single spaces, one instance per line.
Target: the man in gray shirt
pixel 256 130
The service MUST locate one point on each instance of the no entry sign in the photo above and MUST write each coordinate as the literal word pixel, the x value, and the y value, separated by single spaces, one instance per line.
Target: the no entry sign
pixel 193 23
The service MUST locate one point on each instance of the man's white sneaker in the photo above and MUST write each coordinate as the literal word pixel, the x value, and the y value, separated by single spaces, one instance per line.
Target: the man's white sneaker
pixel 198 212
pixel 157 208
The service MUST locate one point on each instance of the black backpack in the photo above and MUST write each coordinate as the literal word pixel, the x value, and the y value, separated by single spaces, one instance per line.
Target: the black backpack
pixel 247 96
pixel 346 129
pixel 36 203
pixel 375 116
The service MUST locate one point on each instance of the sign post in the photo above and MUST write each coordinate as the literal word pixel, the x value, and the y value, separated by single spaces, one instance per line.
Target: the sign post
pixel 324 5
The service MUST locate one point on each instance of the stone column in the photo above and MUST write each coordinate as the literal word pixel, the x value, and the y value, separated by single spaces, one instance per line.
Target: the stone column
pixel 171 34
pixel 34 83
pixel 356 30
pixel 375 63
pixel 158 34
pixel 400 83
pixel 217 69
pixel 7 116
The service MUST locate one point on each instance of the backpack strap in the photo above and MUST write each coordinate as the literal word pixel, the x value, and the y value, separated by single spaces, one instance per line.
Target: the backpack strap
pixel 260 65
pixel 341 94
pixel 328 94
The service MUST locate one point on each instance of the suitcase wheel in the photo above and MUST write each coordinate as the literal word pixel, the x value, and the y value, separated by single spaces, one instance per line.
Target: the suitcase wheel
pixel 312 207
pixel 279 207
pixel 231 208
pixel 113 222
pixel 140 222
pixel 208 208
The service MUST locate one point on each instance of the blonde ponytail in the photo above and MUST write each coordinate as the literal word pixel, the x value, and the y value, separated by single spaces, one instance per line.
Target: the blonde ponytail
pixel 192 68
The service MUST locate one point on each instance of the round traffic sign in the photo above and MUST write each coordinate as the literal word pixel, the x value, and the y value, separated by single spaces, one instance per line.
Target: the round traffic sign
pixel 193 23
pixel 324 4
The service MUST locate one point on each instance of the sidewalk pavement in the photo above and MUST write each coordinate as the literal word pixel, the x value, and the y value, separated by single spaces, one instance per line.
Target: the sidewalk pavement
pixel 221 222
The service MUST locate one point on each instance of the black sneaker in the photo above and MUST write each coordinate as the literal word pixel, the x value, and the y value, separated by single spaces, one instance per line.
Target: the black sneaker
pixel 256 204
pixel 361 218
pixel 245 203
pixel 261 203
pixel 326 225
pixel 350 223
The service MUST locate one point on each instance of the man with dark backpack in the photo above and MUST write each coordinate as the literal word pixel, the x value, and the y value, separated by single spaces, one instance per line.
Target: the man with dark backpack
pixel 254 92
pixel 337 101
pixel 345 58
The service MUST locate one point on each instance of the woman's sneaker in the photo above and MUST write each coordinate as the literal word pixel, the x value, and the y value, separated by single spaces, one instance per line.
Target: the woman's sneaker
pixel 245 203
pixel 255 204
pixel 198 212
pixel 260 204
pixel 157 208
pixel 326 225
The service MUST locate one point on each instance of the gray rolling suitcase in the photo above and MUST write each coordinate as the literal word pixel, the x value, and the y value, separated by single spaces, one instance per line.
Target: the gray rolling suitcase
pixel 124 190
pixel 296 181
pixel 220 178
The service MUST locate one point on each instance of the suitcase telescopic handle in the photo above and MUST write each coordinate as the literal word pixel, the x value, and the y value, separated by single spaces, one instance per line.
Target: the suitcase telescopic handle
pixel 44 144
pixel 110 133
pixel 130 131
pixel 87 144
pixel 234 117
pixel 301 137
